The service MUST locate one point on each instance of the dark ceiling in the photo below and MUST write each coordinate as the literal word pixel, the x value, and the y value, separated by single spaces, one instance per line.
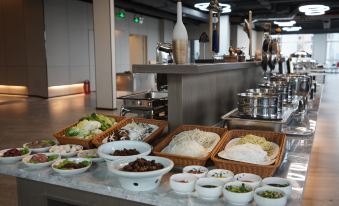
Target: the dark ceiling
pixel 263 11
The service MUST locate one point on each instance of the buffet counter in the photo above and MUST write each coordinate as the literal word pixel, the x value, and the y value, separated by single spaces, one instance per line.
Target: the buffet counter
pixel 201 93
pixel 99 187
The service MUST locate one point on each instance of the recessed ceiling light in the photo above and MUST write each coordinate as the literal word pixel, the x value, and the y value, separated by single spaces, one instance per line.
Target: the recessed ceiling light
pixel 284 23
pixel 314 9
pixel 226 8
pixel 292 28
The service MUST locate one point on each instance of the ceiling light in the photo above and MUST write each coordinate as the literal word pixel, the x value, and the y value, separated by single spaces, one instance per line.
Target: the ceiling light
pixel 284 23
pixel 314 9
pixel 292 28
pixel 225 8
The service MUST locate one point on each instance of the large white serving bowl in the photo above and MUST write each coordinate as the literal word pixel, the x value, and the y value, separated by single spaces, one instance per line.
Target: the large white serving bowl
pixel 183 183
pixel 26 159
pixel 107 149
pixel 139 181
pixel 71 171
pixel 251 179
pixel 238 198
pixel 11 160
pixel 209 193
pixel 278 180
pixel 262 201
pixel 221 174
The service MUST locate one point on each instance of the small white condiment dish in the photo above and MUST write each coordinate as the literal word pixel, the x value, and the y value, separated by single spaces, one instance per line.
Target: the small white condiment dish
pixel 71 171
pixel 26 161
pixel 278 180
pixel 238 198
pixel 263 201
pixel 11 160
pixel 89 153
pixel 251 179
pixel 40 149
pixel 107 149
pixel 68 150
pixel 196 170
pixel 221 174
pixel 209 193
pixel 183 183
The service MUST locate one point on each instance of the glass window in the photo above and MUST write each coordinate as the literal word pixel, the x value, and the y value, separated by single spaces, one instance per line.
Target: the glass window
pixel 332 53
pixel 292 43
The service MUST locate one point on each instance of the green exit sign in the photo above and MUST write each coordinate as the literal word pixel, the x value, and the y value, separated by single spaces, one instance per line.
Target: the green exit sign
pixel 121 14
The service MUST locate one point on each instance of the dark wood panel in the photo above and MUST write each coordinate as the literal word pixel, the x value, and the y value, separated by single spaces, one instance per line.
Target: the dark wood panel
pixel 14 27
pixel 2 38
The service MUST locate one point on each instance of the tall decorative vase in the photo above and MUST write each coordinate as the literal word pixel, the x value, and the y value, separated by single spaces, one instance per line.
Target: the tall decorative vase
pixel 180 38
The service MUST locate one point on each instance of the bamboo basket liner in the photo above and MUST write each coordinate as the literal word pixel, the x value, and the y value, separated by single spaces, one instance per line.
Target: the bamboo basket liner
pixel 180 160
pixel 241 167
pixel 86 143
pixel 97 141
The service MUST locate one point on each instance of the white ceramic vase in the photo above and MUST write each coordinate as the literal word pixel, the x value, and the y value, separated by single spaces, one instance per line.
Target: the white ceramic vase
pixel 180 38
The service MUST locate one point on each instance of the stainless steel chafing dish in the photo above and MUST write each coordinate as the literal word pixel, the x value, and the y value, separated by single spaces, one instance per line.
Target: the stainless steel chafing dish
pixel 152 104
pixel 268 91
pixel 258 105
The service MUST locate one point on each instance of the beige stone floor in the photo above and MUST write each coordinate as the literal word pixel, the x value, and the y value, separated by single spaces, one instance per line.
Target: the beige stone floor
pixel 26 119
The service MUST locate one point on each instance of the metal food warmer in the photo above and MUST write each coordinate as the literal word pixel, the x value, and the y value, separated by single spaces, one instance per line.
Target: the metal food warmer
pixel 149 104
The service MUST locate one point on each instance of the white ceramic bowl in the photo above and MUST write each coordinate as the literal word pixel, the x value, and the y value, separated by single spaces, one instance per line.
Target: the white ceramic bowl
pixel 26 159
pixel 262 201
pixel 251 179
pixel 238 198
pixel 11 160
pixel 206 192
pixel 139 181
pixel 278 180
pixel 39 150
pixel 105 150
pixel 202 170
pixel 221 174
pixel 65 154
pixel 183 183
pixel 71 171
pixel 85 153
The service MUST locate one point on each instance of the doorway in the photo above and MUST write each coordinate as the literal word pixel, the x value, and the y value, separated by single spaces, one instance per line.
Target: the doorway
pixel 137 49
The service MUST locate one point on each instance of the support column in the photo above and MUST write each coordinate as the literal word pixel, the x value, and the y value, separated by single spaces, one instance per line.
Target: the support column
pixel 105 71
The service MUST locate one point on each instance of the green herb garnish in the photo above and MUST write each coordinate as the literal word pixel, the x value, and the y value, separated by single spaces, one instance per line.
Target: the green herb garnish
pixel 271 194
pixel 239 189
pixel 24 151
pixel 69 165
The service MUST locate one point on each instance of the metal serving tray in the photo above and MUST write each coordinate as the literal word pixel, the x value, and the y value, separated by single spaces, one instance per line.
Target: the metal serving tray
pixel 234 121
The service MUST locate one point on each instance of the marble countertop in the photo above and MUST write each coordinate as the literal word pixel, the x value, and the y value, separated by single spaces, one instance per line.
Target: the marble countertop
pixel 99 180
pixel 191 68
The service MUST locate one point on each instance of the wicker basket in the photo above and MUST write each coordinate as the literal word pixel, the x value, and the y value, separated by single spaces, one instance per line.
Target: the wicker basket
pixel 240 167
pixel 180 160
pixel 86 143
pixel 97 141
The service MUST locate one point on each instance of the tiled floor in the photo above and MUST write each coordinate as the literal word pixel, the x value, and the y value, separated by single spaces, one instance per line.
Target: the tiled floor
pixel 26 119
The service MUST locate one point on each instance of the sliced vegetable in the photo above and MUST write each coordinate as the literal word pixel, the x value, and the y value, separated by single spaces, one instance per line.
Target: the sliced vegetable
pixel 271 194
pixel 238 189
